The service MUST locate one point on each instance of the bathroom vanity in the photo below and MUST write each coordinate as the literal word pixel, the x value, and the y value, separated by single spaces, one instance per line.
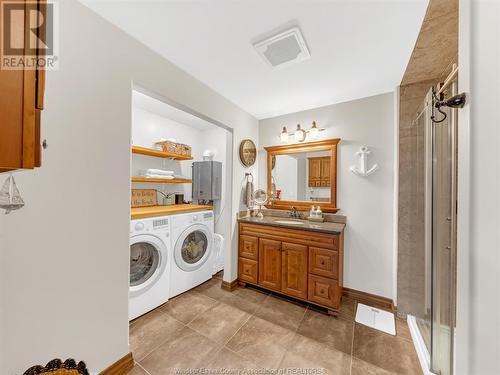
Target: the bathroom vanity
pixel 296 258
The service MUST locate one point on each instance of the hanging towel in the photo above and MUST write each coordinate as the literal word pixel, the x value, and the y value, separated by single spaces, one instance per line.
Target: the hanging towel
pixel 249 191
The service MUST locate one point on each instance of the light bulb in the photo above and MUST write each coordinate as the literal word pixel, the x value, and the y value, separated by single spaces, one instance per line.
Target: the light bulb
pixel 314 131
pixel 284 135
pixel 299 134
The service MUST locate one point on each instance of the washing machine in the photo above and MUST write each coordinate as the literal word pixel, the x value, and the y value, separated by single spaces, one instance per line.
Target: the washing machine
pixel 150 259
pixel 192 248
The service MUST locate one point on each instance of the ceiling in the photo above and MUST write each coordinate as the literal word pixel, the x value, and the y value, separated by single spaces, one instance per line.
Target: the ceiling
pixel 358 48
pixel 157 107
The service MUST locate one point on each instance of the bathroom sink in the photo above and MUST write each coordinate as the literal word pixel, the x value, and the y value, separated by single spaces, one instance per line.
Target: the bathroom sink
pixel 291 222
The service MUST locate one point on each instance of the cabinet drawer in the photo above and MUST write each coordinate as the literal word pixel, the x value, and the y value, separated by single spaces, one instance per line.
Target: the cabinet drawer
pixel 249 247
pixel 298 236
pixel 324 291
pixel 323 262
pixel 248 270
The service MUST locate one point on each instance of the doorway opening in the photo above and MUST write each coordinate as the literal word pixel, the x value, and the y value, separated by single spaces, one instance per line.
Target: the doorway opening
pixel 169 142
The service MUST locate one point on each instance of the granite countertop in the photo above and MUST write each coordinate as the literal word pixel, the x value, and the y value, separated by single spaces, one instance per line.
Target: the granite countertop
pixel 325 227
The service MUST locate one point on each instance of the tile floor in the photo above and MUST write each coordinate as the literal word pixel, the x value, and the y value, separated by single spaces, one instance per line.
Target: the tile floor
pixel 209 328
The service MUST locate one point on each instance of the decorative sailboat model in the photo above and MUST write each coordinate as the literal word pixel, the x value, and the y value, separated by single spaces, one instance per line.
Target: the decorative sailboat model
pixel 10 198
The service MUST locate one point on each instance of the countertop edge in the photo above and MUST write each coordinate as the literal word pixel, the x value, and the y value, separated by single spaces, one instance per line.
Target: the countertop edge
pixel 280 225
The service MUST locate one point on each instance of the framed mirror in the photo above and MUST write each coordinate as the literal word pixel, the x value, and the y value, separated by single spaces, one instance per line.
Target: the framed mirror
pixel 302 175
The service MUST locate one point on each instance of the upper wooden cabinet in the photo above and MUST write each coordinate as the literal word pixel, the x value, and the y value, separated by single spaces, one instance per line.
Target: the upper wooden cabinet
pixel 319 172
pixel 21 102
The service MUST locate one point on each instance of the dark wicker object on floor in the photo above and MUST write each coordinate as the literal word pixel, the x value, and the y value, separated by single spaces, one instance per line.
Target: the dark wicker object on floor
pixel 57 367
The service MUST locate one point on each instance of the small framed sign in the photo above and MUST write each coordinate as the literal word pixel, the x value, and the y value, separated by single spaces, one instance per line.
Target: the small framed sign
pixel 144 197
pixel 248 152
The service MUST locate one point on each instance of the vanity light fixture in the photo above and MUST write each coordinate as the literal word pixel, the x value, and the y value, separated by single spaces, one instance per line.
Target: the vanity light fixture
pixel 300 134
pixel 284 135
pixel 314 131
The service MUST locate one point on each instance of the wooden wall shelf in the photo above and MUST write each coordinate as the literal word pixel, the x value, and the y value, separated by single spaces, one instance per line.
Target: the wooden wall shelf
pixel 159 154
pixel 162 180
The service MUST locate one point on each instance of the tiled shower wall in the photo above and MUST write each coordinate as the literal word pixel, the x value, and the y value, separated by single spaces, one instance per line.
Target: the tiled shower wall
pixel 411 257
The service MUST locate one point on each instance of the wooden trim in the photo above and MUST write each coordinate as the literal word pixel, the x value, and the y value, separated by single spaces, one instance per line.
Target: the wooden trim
pixel 303 206
pixel 303 147
pixel 329 144
pixel 370 299
pixel 229 286
pixel 120 367
pixel 40 71
pixel 29 119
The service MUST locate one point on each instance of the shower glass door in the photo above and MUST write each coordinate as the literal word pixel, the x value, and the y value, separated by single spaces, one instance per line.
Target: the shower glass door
pixel 420 222
pixel 444 203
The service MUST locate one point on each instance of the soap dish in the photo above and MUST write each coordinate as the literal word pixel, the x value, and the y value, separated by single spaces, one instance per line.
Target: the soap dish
pixel 316 219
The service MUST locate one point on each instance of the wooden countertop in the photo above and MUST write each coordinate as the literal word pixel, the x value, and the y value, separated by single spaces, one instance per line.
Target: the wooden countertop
pixel 141 212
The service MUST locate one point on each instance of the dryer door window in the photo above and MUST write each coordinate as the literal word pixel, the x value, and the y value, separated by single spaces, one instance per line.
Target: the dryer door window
pixel 144 261
pixel 194 247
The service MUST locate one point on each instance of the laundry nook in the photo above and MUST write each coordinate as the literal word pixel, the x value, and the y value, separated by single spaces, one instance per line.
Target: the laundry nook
pixel 264 187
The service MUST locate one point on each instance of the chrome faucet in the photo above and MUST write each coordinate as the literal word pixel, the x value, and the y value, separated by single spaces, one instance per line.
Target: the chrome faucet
pixel 294 213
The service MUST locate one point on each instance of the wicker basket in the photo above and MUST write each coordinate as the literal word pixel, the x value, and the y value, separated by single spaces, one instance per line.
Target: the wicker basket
pixel 168 146
pixel 174 148
pixel 184 150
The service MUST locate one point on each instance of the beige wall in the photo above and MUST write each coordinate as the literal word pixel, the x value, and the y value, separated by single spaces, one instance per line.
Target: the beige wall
pixel 366 201
pixel 65 256
pixel 478 265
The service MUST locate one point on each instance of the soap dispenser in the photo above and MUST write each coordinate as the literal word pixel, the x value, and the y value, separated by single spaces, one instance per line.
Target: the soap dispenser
pixel 312 213
pixel 319 213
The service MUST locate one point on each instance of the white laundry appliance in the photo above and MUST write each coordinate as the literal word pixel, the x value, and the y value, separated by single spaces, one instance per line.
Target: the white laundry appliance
pixel 192 247
pixel 150 259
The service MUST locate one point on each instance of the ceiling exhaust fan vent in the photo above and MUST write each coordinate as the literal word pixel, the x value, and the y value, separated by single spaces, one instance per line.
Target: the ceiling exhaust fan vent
pixel 283 49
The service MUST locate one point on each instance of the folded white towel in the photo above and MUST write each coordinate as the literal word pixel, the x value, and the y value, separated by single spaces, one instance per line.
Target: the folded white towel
pixel 181 177
pixel 161 172
pixel 165 177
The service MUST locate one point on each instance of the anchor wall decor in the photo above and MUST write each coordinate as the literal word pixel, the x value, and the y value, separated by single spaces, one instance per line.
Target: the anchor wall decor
pixel 363 162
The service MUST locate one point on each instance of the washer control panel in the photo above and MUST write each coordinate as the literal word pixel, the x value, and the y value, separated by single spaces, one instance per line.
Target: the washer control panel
pixel 139 226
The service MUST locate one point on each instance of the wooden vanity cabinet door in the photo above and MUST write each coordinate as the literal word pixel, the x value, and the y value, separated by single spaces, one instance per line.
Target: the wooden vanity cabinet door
pixel 294 270
pixel 249 247
pixel 248 270
pixel 270 264
pixel 324 262
pixel 324 291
